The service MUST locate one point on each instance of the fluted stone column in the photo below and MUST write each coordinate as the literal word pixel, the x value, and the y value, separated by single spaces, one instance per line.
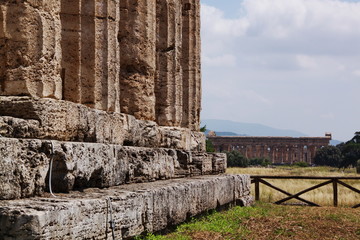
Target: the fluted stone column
pixel 71 49
pixel 312 153
pixel 98 88
pixel 168 83
pixel 91 59
pixel 247 151
pixel 287 155
pixel 278 158
pixel 291 155
pixel 30 52
pixel 272 154
pixel 191 64
pixel 137 38
pixel 113 54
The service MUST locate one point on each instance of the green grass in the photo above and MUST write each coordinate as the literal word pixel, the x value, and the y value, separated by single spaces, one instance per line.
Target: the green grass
pixel 226 223
pixel 268 221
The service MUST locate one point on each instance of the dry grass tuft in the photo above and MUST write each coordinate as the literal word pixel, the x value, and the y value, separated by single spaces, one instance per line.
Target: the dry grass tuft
pixel 322 196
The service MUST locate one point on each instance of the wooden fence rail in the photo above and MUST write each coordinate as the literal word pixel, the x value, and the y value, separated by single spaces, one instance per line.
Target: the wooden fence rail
pixel 257 179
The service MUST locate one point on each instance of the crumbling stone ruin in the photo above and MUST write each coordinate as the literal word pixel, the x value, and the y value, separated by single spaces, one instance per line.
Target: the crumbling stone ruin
pixel 99 120
pixel 279 150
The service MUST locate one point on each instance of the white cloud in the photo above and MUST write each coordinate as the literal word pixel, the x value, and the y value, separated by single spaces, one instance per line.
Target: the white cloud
pixel 288 59
pixel 306 26
pixel 214 21
pixel 253 96
pixel 306 62
pixel 328 116
pixel 220 61
pixel 279 18
pixel 357 73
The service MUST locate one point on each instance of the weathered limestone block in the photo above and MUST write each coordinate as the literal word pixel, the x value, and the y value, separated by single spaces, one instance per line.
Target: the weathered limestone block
pixel 67 121
pixel 30 48
pixel 137 208
pixel 15 127
pixel 168 82
pixel 203 161
pixel 182 138
pixel 191 64
pixel 137 38
pixel 24 165
pixel 218 165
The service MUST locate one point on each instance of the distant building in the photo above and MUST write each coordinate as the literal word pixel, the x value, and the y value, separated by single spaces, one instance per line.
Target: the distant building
pixel 280 150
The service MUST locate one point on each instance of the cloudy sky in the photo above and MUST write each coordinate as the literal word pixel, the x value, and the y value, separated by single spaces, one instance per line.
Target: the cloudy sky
pixel 289 64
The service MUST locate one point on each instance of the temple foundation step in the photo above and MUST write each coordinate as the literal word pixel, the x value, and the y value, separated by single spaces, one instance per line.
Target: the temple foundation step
pixel 136 208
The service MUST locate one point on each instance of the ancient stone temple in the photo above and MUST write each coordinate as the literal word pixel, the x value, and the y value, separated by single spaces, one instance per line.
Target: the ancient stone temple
pixel 279 150
pixel 99 120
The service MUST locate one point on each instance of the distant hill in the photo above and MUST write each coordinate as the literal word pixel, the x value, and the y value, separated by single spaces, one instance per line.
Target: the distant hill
pixel 335 142
pixel 249 129
pixel 225 133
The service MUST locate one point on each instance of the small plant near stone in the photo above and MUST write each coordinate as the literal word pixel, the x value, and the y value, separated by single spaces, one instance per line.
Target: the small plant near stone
pixel 301 164
pixel 262 162
pixel 236 159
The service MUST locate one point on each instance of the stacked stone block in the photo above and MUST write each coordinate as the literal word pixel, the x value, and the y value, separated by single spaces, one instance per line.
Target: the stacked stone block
pixel 100 103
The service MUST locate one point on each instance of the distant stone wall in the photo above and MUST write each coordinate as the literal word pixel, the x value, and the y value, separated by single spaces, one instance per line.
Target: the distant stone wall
pixel 277 149
pixel 131 56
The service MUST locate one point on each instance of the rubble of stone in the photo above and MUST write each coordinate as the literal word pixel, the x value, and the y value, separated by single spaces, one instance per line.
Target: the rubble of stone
pixel 137 208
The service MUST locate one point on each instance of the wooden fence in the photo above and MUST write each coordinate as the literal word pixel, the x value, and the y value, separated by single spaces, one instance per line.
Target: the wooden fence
pixel 257 179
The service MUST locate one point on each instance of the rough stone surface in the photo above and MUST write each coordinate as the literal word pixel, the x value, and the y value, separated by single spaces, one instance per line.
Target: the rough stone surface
pixel 23 117
pixel 24 165
pixel 30 52
pixel 168 81
pixel 137 208
pixel 136 57
pixel 191 76
pixel 109 92
pixel 137 37
pixel 90 53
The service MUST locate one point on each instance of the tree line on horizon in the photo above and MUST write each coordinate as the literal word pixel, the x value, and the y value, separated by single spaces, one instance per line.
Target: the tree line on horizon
pixel 343 155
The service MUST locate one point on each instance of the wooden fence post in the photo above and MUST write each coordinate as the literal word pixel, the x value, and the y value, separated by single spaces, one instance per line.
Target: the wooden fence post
pixel 257 189
pixel 335 191
pixel 257 179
